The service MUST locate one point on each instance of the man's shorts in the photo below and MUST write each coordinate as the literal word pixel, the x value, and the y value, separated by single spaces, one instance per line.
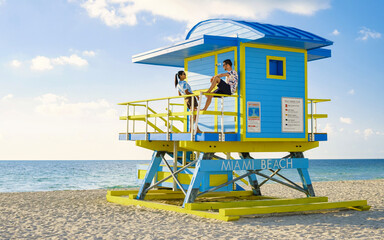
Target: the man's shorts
pixel 223 88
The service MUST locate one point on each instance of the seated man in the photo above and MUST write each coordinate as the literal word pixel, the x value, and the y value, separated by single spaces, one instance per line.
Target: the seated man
pixel 228 87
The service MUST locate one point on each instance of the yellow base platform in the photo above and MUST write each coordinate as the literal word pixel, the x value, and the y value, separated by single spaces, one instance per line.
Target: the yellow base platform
pixel 229 206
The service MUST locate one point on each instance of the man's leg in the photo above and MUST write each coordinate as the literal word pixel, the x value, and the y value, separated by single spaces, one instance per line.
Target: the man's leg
pixel 214 82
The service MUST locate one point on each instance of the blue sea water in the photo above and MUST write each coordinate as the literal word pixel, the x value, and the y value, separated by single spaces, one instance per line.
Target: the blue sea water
pixel 30 176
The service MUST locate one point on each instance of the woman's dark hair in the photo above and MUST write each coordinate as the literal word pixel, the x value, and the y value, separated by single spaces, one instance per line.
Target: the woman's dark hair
pixel 228 61
pixel 177 75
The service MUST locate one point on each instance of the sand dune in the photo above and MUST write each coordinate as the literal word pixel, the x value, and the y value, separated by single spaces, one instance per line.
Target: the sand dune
pixel 87 215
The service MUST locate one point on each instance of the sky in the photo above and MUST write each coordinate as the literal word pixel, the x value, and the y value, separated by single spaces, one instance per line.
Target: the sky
pixel 65 64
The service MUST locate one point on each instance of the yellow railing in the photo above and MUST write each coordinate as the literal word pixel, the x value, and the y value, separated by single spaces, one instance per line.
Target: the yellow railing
pixel 313 115
pixel 169 116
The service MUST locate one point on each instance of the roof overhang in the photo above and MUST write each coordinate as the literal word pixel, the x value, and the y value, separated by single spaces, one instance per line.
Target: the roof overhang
pixel 174 55
pixel 319 53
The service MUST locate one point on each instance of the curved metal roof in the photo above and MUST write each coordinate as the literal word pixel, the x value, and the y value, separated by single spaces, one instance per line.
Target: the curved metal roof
pixel 260 32
pixel 215 34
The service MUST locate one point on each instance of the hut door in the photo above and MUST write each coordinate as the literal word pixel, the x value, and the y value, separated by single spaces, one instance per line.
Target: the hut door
pixel 200 70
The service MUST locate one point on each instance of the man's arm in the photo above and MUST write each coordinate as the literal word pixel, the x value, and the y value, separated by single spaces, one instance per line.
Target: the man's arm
pixel 222 75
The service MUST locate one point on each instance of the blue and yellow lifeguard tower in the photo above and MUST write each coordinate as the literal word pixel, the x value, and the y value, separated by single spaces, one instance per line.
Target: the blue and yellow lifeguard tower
pixel 271 112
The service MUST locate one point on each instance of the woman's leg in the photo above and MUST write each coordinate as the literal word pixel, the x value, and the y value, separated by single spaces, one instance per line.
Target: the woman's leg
pixel 207 103
pixel 194 121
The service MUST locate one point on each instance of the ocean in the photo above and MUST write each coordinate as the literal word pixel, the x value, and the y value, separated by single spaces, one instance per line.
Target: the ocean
pixel 31 176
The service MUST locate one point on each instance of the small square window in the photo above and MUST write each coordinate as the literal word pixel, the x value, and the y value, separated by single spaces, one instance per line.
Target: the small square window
pixel 276 67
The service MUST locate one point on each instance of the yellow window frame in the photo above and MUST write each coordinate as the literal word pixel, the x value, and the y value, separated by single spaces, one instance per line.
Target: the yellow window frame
pixel 283 59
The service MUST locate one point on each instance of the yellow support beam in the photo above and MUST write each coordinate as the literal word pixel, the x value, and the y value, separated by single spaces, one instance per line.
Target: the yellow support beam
pixel 167 207
pixel 317 100
pixel 127 192
pixel 290 208
pixel 160 196
pixel 176 97
pixel 177 115
pixel 254 146
pixel 309 116
pixel 156 145
pixel 237 175
pixel 252 203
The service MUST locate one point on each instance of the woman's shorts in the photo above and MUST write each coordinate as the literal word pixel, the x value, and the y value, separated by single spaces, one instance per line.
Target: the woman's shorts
pixel 189 102
pixel 223 88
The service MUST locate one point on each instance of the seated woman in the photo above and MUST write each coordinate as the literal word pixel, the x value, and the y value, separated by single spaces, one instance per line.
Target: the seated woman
pixel 184 88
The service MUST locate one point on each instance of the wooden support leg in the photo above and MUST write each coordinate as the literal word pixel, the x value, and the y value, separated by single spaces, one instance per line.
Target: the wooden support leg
pixel 306 180
pixel 197 177
pixel 252 179
pixel 151 172
pixel 304 176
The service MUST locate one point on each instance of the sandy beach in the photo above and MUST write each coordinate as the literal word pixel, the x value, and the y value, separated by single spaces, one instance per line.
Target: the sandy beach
pixel 87 215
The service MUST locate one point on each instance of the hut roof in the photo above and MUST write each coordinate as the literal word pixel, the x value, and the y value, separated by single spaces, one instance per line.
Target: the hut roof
pixel 215 34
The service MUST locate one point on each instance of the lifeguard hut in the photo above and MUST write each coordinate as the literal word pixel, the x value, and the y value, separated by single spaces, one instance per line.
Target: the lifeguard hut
pixel 271 112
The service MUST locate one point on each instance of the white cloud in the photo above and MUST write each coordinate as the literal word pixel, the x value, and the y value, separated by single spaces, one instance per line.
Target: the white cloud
pixel 351 92
pixel 41 63
pixel 89 53
pixel 368 132
pixel 366 33
pixel 345 120
pixel 59 106
pixel 7 97
pixel 335 32
pixel 328 129
pixel 125 12
pixel 175 38
pixel 50 98
pixel 73 60
pixel 15 63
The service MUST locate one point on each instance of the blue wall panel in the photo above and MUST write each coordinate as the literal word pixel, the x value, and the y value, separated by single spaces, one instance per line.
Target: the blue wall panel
pixel 269 92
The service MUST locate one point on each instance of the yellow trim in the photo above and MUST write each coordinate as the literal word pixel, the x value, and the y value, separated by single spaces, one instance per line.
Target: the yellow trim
pixel 263 46
pixel 185 128
pixel 291 208
pixel 248 146
pixel 243 92
pixel 162 206
pixel 309 116
pixel 212 54
pixel 243 123
pixel 252 203
pixel 237 175
pixel 306 94
pixel 216 103
pixel 284 60
pixel 217 179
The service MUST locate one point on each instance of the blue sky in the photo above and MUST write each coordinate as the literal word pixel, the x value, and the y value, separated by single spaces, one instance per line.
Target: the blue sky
pixel 64 65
